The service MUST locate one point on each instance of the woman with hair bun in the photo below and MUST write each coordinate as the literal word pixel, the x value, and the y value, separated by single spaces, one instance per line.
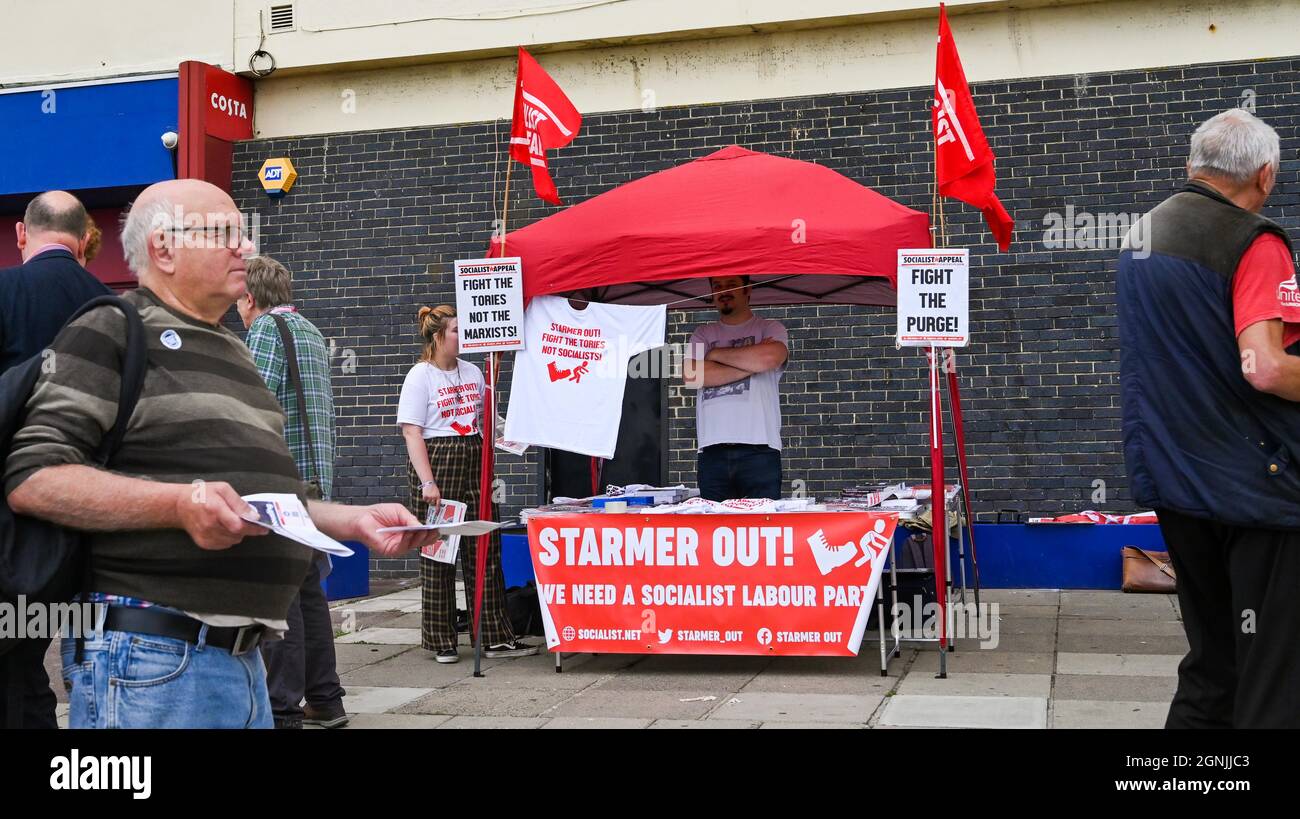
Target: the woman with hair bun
pixel 440 413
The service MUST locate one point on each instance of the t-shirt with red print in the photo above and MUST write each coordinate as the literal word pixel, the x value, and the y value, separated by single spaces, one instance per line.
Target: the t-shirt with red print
pixel 1264 288
pixel 567 388
pixel 444 403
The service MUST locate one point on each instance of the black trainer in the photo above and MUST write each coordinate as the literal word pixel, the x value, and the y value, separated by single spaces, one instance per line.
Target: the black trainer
pixel 447 655
pixel 518 648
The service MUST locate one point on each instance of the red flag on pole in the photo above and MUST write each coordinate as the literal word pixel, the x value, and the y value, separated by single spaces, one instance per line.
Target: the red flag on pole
pixel 963 161
pixel 544 118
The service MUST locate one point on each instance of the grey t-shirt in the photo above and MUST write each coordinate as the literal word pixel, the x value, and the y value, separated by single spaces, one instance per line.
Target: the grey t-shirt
pixel 747 411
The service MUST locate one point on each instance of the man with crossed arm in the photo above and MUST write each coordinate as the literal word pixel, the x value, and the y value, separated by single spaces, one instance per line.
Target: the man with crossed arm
pixel 738 412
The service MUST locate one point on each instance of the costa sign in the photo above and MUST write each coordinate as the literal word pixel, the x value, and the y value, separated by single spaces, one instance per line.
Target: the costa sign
pixel 220 104
pixel 226 105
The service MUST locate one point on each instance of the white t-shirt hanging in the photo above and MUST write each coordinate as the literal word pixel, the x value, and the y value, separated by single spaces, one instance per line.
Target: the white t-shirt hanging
pixel 567 389
pixel 443 402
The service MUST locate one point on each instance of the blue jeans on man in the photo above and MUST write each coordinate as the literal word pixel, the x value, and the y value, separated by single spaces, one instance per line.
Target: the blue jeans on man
pixel 726 471
pixel 133 680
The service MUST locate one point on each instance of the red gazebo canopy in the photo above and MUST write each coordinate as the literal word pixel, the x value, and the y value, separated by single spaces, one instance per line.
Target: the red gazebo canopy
pixel 803 232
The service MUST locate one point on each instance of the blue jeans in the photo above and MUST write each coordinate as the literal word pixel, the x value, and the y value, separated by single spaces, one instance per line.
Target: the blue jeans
pixel 133 680
pixel 726 471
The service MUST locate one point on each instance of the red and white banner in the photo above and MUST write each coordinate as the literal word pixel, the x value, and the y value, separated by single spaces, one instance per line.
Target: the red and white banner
pixel 543 118
pixel 799 583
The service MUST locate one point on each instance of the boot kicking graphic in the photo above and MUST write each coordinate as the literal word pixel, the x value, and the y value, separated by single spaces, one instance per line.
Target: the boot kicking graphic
pixel 830 557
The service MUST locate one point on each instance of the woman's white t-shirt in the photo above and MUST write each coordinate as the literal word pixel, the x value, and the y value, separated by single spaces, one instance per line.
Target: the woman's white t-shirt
pixel 443 402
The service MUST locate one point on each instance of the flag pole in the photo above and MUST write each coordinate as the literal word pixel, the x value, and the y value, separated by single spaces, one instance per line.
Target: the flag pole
pixel 487 467
pixel 938 495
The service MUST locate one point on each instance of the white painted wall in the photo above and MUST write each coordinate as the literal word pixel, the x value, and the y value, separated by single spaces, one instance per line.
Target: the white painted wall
pixel 1040 41
pixel 352 65
pixel 46 42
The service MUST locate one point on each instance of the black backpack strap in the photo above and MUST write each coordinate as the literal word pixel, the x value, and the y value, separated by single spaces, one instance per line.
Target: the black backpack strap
pixel 295 376
pixel 135 361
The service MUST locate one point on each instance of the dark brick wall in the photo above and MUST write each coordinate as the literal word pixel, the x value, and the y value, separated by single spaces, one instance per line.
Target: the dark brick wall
pixel 376 218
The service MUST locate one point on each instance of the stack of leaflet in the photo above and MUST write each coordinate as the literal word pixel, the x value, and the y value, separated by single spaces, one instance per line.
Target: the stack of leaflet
pixel 657 494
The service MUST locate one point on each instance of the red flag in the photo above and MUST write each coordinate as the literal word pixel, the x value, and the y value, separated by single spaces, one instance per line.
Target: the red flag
pixel 544 118
pixel 963 161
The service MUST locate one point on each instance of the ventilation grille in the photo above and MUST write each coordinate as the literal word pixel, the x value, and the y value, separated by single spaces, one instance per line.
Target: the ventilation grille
pixel 282 17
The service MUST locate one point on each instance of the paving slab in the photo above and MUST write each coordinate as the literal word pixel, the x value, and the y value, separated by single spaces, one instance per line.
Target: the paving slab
pixel 1113 598
pixel 480 723
pixel 1018 597
pixel 1132 665
pixel 465 698
pixel 618 723
pixel 1031 643
pixel 1121 644
pixel 407 721
pixel 1113 687
pixel 419 672
pixel 986 662
pixel 379 700
pixel 705 664
pixel 385 603
pixel 712 724
pixel 357 655
pixel 813 726
pixel 1028 611
pixel 1011 624
pixel 598 702
pixel 790 682
pixel 404 620
pixel 642 679
pixel 780 707
pixel 382 636
pixel 960 684
pixel 1094 714
pixel 1125 628
pixel 518 673
pixel 965 712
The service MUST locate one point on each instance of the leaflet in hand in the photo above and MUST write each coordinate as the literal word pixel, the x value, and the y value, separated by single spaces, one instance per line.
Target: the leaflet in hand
pixel 444 550
pixel 286 516
pixel 472 528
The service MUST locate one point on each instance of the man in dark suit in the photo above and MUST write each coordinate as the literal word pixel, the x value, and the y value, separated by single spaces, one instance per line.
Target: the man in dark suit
pixel 39 295
pixel 36 299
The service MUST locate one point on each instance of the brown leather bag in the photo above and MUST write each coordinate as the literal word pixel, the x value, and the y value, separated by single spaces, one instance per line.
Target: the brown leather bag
pixel 1146 571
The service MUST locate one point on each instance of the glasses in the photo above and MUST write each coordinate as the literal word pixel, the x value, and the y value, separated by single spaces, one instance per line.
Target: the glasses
pixel 230 237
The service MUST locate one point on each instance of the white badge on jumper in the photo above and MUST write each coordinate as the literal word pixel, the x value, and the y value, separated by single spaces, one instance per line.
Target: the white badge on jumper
pixel 170 339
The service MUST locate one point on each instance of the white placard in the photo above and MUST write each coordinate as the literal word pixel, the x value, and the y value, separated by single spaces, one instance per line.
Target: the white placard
pixel 934 297
pixel 490 304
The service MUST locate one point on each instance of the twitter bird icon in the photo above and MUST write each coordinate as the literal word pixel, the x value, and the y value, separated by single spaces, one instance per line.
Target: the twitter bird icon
pixel 665 636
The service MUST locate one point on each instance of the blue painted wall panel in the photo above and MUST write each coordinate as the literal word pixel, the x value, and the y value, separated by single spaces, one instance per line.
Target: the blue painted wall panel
pixel 97 136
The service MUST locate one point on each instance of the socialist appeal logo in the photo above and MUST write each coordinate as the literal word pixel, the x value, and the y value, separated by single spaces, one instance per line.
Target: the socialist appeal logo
pixel 830 557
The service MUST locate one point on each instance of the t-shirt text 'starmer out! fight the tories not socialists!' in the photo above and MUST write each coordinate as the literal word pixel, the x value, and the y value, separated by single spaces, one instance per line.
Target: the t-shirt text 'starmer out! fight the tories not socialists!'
pixel 445 403
pixel 567 391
